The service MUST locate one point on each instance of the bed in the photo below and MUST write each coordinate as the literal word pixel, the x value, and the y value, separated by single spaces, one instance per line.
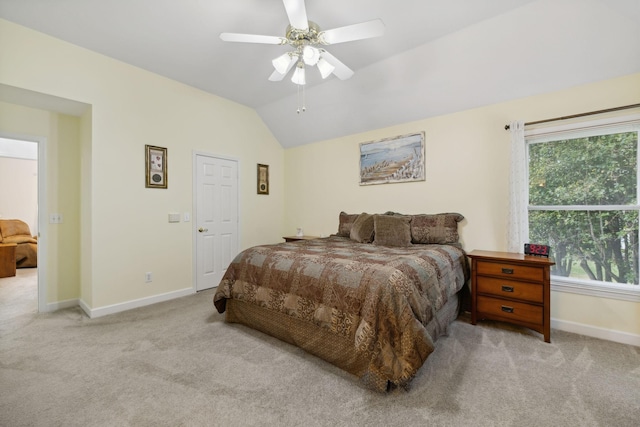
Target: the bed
pixel 371 299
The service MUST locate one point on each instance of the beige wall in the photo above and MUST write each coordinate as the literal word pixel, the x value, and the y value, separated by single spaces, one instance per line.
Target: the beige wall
pixel 19 190
pixel 63 196
pixel 86 205
pixel 467 170
pixel 125 231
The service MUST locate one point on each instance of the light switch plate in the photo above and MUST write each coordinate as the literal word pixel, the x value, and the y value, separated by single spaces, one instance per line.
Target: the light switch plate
pixel 174 217
pixel 55 218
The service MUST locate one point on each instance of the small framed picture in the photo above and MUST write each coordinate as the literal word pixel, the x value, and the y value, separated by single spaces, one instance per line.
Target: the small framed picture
pixel 263 179
pixel 156 167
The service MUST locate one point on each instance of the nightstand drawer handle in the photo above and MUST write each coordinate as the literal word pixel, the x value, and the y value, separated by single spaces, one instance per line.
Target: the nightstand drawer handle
pixel 507 309
pixel 507 270
pixel 507 288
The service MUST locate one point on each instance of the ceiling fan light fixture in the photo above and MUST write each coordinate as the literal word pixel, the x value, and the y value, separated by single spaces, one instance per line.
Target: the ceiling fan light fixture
pixel 306 40
pixel 311 55
pixel 325 68
pixel 283 63
pixel 299 75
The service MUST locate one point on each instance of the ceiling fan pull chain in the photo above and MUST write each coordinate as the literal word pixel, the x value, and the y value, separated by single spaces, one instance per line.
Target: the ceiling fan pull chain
pixel 304 108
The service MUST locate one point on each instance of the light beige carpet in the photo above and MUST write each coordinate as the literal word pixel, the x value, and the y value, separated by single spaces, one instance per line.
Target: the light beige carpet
pixel 178 364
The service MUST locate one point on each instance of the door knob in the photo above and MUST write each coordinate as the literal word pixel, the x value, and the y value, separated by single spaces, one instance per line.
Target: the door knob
pixel 202 229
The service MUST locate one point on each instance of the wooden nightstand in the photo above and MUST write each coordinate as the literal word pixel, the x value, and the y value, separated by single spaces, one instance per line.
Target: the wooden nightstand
pixel 7 259
pixel 296 238
pixel 512 288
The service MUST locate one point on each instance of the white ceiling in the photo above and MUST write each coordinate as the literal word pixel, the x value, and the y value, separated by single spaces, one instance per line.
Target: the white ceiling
pixel 436 57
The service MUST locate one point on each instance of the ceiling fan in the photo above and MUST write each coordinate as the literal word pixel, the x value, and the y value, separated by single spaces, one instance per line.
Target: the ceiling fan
pixel 308 41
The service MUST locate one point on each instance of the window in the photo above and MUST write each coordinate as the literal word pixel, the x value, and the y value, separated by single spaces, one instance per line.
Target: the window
pixel 583 201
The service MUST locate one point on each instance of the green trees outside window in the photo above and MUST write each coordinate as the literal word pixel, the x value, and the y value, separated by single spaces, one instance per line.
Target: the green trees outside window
pixel 583 202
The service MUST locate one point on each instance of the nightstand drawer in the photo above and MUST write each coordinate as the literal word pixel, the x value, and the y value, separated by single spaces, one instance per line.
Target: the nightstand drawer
pixel 510 289
pixel 510 310
pixel 511 271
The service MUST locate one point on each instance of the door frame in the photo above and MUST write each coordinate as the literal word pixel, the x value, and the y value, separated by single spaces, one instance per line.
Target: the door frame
pixel 42 218
pixel 194 209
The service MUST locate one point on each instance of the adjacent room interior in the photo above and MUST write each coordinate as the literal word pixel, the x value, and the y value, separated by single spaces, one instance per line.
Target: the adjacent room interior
pixel 19 225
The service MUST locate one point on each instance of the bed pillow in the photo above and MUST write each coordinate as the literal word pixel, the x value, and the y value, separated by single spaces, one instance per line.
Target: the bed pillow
pixel 362 229
pixel 392 230
pixel 435 229
pixel 345 224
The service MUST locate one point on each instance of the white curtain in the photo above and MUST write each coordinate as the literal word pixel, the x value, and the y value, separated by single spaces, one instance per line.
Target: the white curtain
pixel 517 226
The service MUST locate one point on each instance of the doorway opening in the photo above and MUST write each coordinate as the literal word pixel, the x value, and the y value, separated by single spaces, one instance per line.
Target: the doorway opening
pixel 21 194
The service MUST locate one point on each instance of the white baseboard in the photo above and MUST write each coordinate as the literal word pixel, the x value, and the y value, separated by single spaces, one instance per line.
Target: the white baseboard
pixel 83 305
pixel 59 305
pixel 596 332
pixel 128 305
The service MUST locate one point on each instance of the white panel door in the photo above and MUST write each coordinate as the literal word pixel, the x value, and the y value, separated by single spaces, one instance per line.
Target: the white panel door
pixel 216 218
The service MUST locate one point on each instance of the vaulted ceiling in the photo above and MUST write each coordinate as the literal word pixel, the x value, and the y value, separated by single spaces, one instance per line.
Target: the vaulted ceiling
pixel 436 57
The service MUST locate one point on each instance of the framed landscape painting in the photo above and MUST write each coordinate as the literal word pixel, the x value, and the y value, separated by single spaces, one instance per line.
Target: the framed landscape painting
pixel 399 159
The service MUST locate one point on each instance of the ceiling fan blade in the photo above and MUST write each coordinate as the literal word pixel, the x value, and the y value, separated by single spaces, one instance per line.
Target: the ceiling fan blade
pixel 341 71
pixel 276 76
pixel 297 13
pixel 252 38
pixel 364 30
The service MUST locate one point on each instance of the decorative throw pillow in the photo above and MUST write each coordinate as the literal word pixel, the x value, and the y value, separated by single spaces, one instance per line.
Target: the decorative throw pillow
pixel 435 229
pixel 362 229
pixel 346 222
pixel 392 230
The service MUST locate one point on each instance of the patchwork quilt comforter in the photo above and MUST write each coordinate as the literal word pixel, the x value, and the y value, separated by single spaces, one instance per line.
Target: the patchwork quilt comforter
pixel 378 299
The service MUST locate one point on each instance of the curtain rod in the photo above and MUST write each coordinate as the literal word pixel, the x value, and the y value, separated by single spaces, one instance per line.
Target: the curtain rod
pixel 590 113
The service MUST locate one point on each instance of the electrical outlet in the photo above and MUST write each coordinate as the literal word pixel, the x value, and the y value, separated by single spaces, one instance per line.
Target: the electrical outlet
pixel 147 277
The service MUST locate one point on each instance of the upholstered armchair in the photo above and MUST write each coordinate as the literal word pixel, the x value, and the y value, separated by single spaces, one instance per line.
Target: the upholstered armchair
pixel 16 231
